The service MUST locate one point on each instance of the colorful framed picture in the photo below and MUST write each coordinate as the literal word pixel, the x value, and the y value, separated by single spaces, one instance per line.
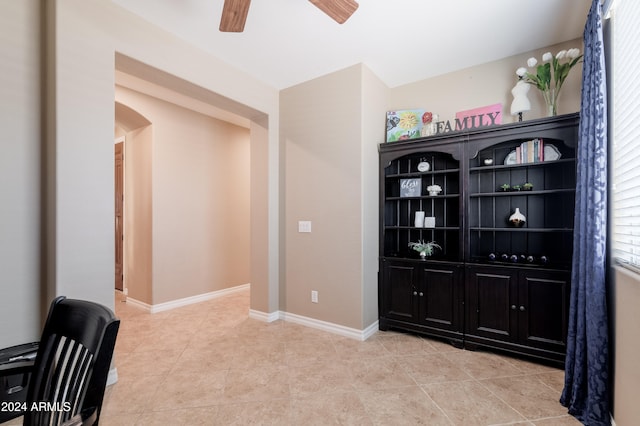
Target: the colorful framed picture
pixel 406 124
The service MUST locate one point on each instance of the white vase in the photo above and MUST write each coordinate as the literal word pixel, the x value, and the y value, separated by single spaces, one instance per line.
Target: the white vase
pixel 419 220
pixel 517 219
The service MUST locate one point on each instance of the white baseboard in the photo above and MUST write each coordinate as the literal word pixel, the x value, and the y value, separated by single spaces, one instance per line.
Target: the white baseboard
pixel 371 330
pixel 112 378
pixel 133 302
pixel 316 323
pixel 263 316
pixel 160 307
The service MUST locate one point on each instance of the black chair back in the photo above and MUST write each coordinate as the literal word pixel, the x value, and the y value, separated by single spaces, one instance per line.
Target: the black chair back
pixel 72 364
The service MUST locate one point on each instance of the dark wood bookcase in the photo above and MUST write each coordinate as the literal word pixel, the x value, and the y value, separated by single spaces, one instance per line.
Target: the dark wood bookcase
pixel 492 284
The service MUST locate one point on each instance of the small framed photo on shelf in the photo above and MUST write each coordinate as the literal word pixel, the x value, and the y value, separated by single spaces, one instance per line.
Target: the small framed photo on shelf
pixel 410 187
pixel 429 222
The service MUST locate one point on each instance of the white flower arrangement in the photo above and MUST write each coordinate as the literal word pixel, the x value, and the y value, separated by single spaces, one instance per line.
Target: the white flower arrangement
pixel 434 189
pixel 550 75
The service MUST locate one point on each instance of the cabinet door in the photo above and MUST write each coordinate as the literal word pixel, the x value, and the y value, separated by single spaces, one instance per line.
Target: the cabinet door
pixel 544 309
pixel 398 292
pixel 491 297
pixel 439 296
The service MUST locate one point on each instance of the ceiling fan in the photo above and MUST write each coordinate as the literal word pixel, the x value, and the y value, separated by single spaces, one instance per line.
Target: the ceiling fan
pixel 234 12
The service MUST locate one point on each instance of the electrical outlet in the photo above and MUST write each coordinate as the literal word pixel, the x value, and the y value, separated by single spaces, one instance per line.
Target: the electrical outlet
pixel 314 296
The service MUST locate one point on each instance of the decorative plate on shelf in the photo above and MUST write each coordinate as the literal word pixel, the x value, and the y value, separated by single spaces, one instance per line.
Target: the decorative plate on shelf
pixel 510 158
pixel 551 153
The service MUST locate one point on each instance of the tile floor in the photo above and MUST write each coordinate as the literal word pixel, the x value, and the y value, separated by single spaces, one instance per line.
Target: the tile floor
pixel 209 364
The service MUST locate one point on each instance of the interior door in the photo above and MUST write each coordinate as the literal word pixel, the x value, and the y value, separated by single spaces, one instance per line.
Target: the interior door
pixel 119 199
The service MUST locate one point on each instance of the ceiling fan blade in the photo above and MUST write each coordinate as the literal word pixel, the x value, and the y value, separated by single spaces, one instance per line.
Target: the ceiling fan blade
pixel 338 10
pixel 234 15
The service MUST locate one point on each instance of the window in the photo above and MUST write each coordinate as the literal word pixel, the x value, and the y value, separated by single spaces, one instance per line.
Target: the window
pixel 625 132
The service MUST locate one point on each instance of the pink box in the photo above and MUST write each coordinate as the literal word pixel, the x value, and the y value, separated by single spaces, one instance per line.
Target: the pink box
pixel 485 116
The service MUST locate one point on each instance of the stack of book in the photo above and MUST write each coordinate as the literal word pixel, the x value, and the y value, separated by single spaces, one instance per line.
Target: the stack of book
pixel 530 151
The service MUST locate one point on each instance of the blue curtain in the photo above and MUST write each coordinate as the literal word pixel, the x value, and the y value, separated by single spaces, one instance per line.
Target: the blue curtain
pixel 586 390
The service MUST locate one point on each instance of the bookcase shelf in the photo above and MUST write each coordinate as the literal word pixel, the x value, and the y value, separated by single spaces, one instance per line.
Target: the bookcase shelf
pixel 467 290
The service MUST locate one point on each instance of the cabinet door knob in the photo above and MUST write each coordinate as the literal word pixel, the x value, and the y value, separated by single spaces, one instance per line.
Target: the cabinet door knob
pixel 522 308
pixel 415 293
pixel 513 307
pixel 421 294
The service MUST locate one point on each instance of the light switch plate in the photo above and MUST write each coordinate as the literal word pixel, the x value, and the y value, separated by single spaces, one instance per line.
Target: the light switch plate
pixel 304 226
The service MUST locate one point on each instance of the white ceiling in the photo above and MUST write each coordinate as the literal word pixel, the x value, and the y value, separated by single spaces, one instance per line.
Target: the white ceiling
pixel 286 42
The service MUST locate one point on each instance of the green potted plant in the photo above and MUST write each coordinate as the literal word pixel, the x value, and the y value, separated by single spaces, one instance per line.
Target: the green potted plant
pixel 528 186
pixel 505 187
pixel 516 188
pixel 425 248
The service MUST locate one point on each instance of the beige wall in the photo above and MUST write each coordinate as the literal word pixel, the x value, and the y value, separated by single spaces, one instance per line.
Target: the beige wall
pixel 264 297
pixel 73 149
pixel 626 319
pixel 20 213
pixel 81 151
pixel 321 150
pixel 138 215
pixel 88 35
pixel 194 173
pixel 330 134
pixel 375 101
pixel 319 139
pixel 487 84
pixel 321 135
